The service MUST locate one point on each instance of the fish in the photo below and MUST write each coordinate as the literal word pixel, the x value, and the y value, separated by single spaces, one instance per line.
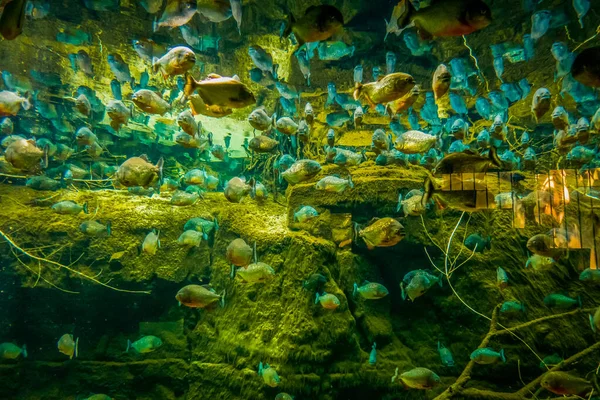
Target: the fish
pixel 586 67
pixel 304 65
pixel 334 184
pixel 468 161
pixel 590 275
pixel 118 113
pixel 11 103
pixel 13 19
pixel 216 90
pixel 412 204
pixel 148 49
pixel 239 254
pixel 215 10
pixel 512 307
pixel 150 102
pixel 561 301
pixel 386 89
pixel 562 383
pixel 286 125
pixel 95 228
pixel 476 242
pixel 445 355
pixel 318 24
pixel 198 106
pixel 190 238
pixel 262 59
pixel 177 61
pixel 384 232
pixel 417 282
pixel 283 396
pixel 543 245
pixel 68 345
pixel 197 296
pixel 119 68
pixel 413 142
pixel 236 11
pixel 182 198
pixel 537 261
pixel 327 300
pixel 501 278
pixel 445 18
pixel 419 378
pixel 83 63
pixel 188 124
pixel 337 119
pixel 151 243
pixel 541 103
pixel 550 361
pixel 487 355
pixel 301 171
pixel 315 282
pixel 269 375
pixel 6 126
pixel 263 144
pixel 24 155
pixel 331 51
pixel 370 290
pixel 463 200
pixel 176 13
pixel 138 171
pixel 146 344
pixel 69 207
pixel 441 81
pixel 256 272
pixel 540 22
pixel 237 188
pixel 10 351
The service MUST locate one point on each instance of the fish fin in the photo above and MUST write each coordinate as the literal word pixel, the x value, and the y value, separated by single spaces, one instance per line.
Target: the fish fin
pixel 232 273
pixel 129 345
pixel 85 208
pixel 502 356
pixel 190 85
pixel 350 183
pixel 592 323
pixel 317 298
pixel 403 292
pixel 222 300
pixel 357 90
pixel 355 290
pixel 399 205
pixel 76 353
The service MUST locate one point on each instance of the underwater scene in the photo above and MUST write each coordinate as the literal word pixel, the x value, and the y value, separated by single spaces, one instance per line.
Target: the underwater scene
pixel 316 199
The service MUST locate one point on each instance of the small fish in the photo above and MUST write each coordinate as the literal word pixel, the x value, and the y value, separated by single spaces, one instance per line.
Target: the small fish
pixel 386 89
pixel 150 102
pixel 540 22
pixel 543 245
pixel 512 307
pixel 119 68
pixel 197 296
pixel 384 232
pixel 269 375
pixel 176 13
pixel 305 214
pixel 539 262
pixel 190 238
pixel 68 345
pixel 419 378
pixel 331 51
pixel 501 278
pixel 487 355
pixel 412 204
pixel 95 228
pixel 177 61
pixel 373 354
pixel 562 383
pixel 146 344
pixel 476 242
pixel 220 91
pixel 416 283
pixel 413 142
pixel 562 302
pixel 69 207
pixel 10 351
pixel 445 355
pixel 590 275
pixel 541 103
pixel 11 103
pixel 318 24
pixel 256 272
pixel 550 361
pixel 315 282
pixel 327 300
pixel 286 125
pixel 334 184
pixel 441 81
pixel 370 290
pixel 301 171
pixel 151 243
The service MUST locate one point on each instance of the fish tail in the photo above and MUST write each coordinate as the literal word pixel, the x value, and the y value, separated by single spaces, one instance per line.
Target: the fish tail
pixel 24 351
pixel 592 323
pixel 357 90
pixel 232 273
pixel 85 208
pixel 76 353
pixel 222 300
pixel 355 291
pixel 386 30
pixel 399 205
pixel 317 298
pixel 108 228
pixel 527 263
pixel 502 356
pixel 350 183
pixel 128 346
pixel 403 291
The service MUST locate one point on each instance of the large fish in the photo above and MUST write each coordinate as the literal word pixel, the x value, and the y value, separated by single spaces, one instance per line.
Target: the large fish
pixel 446 18
pixel 221 91
pixel 12 19
pixel 318 24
